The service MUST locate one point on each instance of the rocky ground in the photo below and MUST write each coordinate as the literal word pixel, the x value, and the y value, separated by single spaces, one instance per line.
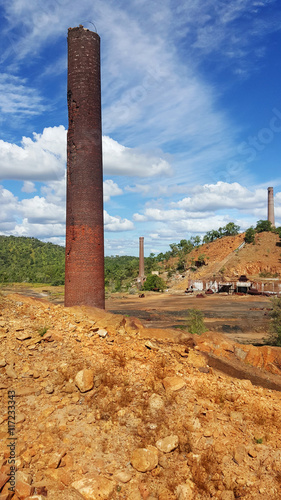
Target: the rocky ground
pixel 107 409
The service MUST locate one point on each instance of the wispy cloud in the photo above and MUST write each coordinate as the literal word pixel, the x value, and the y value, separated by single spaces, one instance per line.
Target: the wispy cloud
pixel 17 98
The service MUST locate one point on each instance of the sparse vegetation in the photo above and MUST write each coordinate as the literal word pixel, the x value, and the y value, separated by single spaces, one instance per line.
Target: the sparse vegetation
pixel 275 324
pixel 195 322
pixel 42 330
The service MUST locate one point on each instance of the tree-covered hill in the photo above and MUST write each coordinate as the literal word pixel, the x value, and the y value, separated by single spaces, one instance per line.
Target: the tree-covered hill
pixel 30 260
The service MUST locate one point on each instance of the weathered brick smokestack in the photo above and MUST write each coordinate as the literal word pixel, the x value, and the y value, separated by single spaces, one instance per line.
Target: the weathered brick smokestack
pixel 84 267
pixel 270 206
pixel 141 258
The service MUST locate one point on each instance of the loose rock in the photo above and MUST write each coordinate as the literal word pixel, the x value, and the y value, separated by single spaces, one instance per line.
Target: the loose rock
pixel 145 459
pixel 168 443
pixel 84 380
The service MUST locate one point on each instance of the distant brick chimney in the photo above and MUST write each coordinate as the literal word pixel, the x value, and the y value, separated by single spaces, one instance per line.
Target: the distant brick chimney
pixel 84 266
pixel 270 206
pixel 141 257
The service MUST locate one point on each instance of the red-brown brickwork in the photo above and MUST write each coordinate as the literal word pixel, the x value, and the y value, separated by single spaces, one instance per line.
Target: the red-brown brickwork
pixel 84 267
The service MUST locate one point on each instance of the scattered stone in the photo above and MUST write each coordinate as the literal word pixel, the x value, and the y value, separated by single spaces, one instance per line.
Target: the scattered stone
pixel 36 497
pixel 3 479
pixel 252 453
pixel 150 345
pixel 155 402
pixel 239 454
pixel 227 495
pixel 23 489
pixel 10 372
pixel 145 459
pixel 84 380
pixel 102 333
pixel 20 417
pixel 123 477
pixel 49 389
pixel 185 491
pixel 55 460
pixel 98 488
pixel 23 336
pixel 168 444
pixel 27 391
pixel 174 383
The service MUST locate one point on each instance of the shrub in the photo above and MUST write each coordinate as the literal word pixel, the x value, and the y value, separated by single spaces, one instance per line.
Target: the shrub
pixel 154 282
pixel 250 235
pixel 263 225
pixel 275 323
pixel 195 322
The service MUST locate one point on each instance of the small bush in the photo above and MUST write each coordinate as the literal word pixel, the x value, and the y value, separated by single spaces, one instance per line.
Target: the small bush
pixel 275 323
pixel 250 235
pixel 42 330
pixel 195 322
pixel 154 282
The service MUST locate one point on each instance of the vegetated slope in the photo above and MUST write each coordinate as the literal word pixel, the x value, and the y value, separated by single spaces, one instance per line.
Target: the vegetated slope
pixel 222 259
pixel 30 260
pixel 129 415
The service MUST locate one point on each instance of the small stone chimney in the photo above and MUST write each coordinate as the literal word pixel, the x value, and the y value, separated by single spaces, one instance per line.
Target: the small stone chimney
pixel 270 206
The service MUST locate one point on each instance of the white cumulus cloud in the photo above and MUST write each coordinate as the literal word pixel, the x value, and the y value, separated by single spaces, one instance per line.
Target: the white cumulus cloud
pixel 116 223
pixel 120 160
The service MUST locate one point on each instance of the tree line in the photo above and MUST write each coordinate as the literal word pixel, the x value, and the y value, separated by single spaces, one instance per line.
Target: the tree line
pixel 29 260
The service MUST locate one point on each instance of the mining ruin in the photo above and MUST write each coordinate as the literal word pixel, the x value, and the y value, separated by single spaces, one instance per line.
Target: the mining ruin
pixel 84 267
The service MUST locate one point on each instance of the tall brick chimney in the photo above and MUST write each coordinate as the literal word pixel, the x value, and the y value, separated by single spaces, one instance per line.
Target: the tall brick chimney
pixel 141 260
pixel 84 265
pixel 270 206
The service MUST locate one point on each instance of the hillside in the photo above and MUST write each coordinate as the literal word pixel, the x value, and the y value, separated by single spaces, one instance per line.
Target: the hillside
pixel 224 261
pixel 30 260
pixel 107 409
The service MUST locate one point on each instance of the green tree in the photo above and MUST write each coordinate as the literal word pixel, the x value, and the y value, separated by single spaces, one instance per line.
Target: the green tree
pixel 211 236
pixel 250 235
pixel 174 249
pixel 154 282
pixel 263 226
pixel 195 240
pixel 230 229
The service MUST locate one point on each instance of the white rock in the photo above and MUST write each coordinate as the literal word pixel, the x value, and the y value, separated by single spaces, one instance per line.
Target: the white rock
pixel 168 443
pixel 102 333
pixel 155 402
pixel 123 477
pixel 84 380
pixel 98 488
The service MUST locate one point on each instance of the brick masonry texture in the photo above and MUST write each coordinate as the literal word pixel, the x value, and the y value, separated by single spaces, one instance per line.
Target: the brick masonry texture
pixel 84 268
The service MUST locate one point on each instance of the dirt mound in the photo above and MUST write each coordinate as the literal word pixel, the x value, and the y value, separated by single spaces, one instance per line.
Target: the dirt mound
pixel 106 409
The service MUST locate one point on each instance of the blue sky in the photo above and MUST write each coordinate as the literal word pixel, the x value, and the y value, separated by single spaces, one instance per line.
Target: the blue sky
pixel 191 108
